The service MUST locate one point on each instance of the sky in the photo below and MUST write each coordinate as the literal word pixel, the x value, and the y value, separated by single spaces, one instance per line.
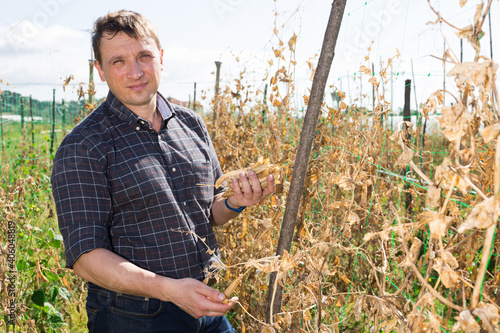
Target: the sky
pixel 44 41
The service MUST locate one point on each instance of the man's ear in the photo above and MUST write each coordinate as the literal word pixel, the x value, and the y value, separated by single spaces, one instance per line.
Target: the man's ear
pixel 161 58
pixel 100 71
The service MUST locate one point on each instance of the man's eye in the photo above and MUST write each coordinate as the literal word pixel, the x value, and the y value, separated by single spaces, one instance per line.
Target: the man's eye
pixel 117 61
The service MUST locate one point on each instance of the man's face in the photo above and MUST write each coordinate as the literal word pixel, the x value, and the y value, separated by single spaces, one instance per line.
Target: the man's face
pixel 131 67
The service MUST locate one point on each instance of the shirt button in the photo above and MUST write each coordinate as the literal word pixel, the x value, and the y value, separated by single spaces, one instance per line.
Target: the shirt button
pixel 173 169
pixel 137 128
pixel 142 122
pixel 185 204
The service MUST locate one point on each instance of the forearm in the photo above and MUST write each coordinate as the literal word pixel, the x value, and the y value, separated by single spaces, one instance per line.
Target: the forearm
pixel 110 271
pixel 113 272
pixel 220 213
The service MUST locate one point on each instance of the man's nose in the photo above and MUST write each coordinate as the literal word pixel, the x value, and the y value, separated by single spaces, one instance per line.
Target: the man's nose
pixel 135 71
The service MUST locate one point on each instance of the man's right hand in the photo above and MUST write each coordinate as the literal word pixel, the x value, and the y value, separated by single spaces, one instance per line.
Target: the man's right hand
pixel 110 271
pixel 196 298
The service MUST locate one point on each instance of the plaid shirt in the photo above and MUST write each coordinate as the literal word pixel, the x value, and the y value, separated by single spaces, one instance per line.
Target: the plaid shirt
pixel 121 186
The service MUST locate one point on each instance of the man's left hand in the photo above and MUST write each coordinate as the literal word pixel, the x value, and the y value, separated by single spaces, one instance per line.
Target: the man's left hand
pixel 248 195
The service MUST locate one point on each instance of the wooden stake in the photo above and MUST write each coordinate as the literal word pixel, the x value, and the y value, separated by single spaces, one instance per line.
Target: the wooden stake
pixel 304 150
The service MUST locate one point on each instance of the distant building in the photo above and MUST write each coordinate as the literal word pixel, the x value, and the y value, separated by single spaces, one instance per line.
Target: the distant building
pixel 190 105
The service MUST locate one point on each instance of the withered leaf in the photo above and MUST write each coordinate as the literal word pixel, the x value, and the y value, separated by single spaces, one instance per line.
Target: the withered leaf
pixel 449 259
pixel 475 73
pixel 405 157
pixel 435 321
pixel 384 235
pixel 455 121
pixel 353 218
pixel 344 182
pixel 466 32
pixel 433 196
pixel 448 275
pixel 482 216
pixel 426 300
pixel 490 133
pixel 466 322
pixel 413 255
pixel 489 314
pixel 438 223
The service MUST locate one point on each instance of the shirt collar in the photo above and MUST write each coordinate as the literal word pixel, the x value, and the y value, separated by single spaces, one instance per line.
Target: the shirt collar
pixel 126 115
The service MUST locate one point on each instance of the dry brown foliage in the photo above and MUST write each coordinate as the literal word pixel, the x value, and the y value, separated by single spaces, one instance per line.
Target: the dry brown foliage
pixel 390 236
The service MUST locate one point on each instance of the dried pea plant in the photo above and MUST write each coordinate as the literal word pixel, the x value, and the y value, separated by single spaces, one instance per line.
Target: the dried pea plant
pixel 389 238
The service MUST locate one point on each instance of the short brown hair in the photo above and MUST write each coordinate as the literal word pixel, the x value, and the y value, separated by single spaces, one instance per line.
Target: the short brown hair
pixel 133 24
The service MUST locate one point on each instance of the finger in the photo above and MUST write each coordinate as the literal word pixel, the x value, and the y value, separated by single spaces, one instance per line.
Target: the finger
pixel 236 187
pixel 257 189
pixel 245 184
pixel 271 186
pixel 213 294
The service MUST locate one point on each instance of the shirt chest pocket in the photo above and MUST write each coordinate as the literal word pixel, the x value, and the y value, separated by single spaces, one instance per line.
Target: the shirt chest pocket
pixel 200 182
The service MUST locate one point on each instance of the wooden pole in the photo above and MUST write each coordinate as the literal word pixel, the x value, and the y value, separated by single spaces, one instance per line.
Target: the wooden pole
pixel 444 74
pixel 307 136
pixel 491 43
pixel 407 109
pixel 407 132
pixel 216 98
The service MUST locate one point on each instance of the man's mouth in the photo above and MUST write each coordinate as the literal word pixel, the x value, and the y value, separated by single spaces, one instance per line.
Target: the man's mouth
pixel 138 86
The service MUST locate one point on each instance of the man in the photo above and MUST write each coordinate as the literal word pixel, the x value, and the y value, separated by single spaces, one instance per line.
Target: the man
pixel 128 185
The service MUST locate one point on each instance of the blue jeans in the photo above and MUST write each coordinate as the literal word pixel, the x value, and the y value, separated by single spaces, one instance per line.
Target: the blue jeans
pixel 109 312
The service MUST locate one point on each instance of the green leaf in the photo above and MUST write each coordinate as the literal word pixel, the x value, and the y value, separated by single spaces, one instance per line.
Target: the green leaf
pixel 51 276
pixel 55 317
pixel 64 293
pixel 22 265
pixel 55 240
pixel 54 291
pixel 38 297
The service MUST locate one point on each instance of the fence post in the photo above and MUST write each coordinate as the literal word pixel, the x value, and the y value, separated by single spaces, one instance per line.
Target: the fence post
pixel 22 113
pixel 32 123
pixel 53 132
pixel 264 108
pixel 1 125
pixel 373 88
pixel 63 118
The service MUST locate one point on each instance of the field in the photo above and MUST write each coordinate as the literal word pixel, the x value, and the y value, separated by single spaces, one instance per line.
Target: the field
pixel 396 230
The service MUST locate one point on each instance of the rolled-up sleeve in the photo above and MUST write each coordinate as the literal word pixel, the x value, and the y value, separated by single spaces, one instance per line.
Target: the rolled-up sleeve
pixel 83 202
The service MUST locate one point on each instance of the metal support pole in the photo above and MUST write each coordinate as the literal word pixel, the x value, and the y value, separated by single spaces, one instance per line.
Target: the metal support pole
pixel 373 88
pixel 32 123
pixel 194 98
pixel 53 134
